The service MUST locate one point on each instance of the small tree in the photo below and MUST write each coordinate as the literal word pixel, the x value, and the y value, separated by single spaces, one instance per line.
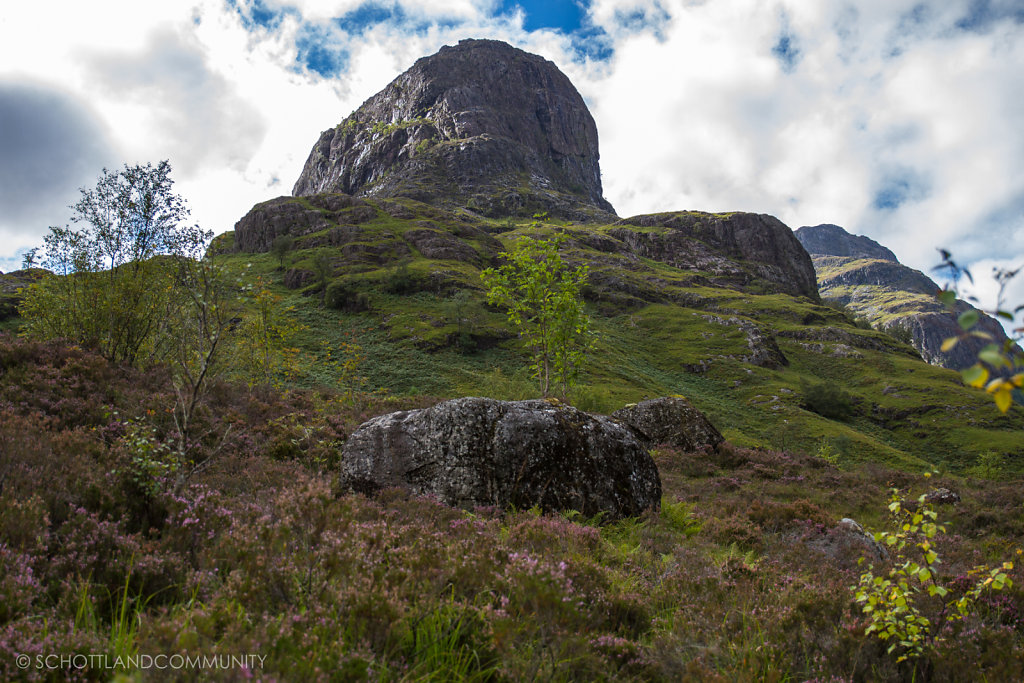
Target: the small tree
pixel 200 321
pixel 280 247
pixel 542 295
pixel 110 289
pixel 263 340
pixel 323 269
pixel 28 260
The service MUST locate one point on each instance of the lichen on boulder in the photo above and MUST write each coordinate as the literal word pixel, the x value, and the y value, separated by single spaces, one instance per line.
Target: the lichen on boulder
pixel 671 420
pixel 472 452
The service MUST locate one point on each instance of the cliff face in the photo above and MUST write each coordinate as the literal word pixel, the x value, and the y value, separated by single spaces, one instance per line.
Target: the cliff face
pixel 695 240
pixel 481 125
pixel 866 278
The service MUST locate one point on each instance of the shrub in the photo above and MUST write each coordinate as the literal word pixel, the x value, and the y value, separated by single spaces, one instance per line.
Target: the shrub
pixel 400 280
pixel 110 288
pixel 345 296
pixel 894 602
pixel 280 247
pixel 828 400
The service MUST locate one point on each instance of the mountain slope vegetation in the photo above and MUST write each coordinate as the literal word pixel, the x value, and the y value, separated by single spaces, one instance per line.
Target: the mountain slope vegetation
pixel 691 317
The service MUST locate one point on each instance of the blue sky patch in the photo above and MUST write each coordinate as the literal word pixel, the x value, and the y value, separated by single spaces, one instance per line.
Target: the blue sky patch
pixel 786 49
pixel 317 54
pixel 568 17
pixel 898 188
pixel 639 20
pixel 592 43
pixel 981 14
pixel 565 15
pixel 367 16
pixel 256 14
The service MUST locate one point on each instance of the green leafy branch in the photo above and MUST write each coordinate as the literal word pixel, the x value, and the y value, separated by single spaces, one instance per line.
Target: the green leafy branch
pixel 542 295
pixel 892 601
pixel 1006 358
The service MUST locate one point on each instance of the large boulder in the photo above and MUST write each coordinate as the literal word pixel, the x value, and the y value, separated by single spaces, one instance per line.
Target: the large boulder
pixel 670 420
pixel 845 543
pixel 478 451
pixel 480 124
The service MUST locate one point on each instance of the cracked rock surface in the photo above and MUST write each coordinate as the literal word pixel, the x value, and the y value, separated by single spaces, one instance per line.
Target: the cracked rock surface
pixel 472 452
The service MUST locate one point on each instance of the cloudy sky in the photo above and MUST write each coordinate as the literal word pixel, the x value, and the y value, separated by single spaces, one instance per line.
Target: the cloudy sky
pixel 900 120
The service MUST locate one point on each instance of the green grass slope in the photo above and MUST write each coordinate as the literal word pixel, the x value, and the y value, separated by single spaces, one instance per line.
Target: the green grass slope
pixel 404 284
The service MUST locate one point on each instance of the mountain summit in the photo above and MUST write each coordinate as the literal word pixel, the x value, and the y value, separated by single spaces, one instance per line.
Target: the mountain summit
pixel 481 125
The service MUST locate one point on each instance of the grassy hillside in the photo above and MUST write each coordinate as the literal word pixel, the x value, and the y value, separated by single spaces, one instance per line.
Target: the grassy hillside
pixel 743 353
pixel 745 573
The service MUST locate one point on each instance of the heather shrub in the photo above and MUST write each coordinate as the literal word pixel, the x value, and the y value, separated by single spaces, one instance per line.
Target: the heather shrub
pixel 734 578
pixel 19 585
pixel 775 516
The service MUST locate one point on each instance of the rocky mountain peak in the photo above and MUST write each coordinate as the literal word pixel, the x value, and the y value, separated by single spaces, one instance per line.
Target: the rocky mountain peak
pixel 866 278
pixel 481 125
pixel 832 240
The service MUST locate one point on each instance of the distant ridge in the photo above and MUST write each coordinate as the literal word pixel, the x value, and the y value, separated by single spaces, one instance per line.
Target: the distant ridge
pixel 834 241
pixel 866 277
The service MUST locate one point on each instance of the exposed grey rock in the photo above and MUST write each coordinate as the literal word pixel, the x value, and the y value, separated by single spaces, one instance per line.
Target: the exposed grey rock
pixel 942 496
pixel 866 339
pixel 255 231
pixel 845 543
pixel 441 245
pixel 11 286
pixel 764 350
pixel 839 271
pixel 834 241
pixel 479 451
pixel 671 420
pixel 482 125
pixel 297 278
pixel 739 246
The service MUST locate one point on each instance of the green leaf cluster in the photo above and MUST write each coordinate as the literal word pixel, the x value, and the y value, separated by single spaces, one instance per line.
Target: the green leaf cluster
pixel 893 601
pixel 113 273
pixel 1005 361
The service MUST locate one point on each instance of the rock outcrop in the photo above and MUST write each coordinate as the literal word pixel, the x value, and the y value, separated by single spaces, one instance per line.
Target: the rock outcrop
pixel 671 420
pixel 737 246
pixel 255 231
pixel 832 239
pixel 11 286
pixel 482 125
pixel 478 451
pixel 845 544
pixel 864 276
